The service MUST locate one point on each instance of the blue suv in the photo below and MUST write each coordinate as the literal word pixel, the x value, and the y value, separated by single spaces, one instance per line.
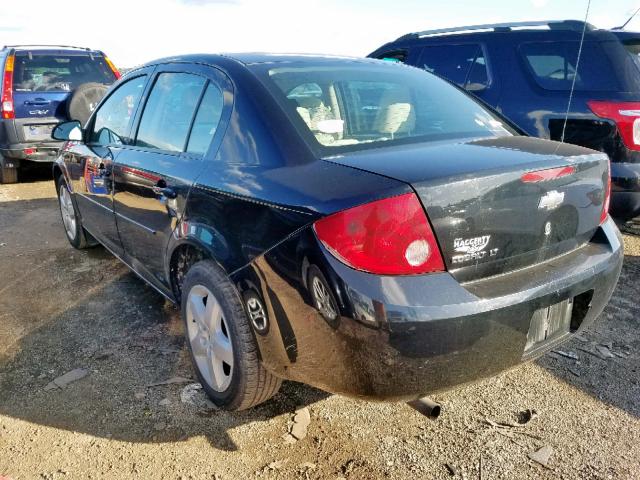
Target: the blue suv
pixel 526 71
pixel 42 86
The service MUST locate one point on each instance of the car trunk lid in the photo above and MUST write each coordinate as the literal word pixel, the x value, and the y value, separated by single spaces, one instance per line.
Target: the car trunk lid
pixel 499 204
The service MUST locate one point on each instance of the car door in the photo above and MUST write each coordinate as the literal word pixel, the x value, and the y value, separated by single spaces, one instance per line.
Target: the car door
pixel 90 164
pixel 153 176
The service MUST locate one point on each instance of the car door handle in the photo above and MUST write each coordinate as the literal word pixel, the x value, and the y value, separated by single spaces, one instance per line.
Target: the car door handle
pixel 165 192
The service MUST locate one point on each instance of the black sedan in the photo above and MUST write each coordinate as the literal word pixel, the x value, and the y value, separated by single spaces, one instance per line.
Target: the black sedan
pixel 360 226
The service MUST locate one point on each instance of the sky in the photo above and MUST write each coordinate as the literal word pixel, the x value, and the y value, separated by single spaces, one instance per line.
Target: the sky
pixel 132 32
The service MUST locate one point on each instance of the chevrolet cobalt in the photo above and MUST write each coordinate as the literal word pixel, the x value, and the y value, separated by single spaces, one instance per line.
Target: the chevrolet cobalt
pixel 357 225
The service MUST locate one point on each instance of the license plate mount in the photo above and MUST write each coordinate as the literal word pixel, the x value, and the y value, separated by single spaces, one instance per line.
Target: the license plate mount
pixel 549 325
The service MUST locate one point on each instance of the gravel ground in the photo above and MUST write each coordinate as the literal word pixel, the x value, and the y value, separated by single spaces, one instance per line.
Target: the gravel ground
pixel 63 310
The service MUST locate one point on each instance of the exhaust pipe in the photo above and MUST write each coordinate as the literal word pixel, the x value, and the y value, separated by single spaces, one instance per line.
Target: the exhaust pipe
pixel 426 407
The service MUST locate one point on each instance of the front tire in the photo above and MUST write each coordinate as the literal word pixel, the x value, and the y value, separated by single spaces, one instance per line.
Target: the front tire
pixel 71 220
pixel 222 347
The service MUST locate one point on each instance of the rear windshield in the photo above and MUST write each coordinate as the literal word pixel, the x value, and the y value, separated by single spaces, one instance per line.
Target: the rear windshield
pixel 603 67
pixel 58 73
pixel 633 47
pixel 358 105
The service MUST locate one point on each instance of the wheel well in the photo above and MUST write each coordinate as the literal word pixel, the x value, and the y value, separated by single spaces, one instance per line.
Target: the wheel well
pixel 182 259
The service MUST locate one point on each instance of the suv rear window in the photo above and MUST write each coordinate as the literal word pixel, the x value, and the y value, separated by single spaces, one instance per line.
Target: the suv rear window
pixel 553 66
pixel 633 47
pixel 41 72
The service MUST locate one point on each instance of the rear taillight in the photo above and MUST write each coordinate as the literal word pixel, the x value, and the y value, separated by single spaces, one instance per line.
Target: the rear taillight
pixel 607 197
pixel 627 118
pixel 387 237
pixel 112 67
pixel 7 89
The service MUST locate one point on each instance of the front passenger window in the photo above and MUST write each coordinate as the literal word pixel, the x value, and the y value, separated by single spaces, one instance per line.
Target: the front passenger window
pixel 113 119
pixel 169 110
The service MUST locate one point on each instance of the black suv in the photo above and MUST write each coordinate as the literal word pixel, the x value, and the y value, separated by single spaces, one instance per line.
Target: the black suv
pixel 526 70
pixel 42 86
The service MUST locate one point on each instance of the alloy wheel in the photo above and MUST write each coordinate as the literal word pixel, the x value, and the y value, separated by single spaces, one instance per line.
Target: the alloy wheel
pixel 322 298
pixel 209 338
pixel 67 211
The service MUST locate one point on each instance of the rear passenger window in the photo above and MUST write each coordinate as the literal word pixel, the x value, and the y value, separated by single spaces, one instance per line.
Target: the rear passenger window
pixel 207 120
pixel 464 65
pixel 169 110
pixel 553 66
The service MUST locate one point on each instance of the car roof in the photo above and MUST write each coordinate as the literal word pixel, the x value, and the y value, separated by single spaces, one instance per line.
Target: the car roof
pixel 532 29
pixel 626 35
pixel 261 57
pixel 246 60
pixel 254 58
pixel 50 48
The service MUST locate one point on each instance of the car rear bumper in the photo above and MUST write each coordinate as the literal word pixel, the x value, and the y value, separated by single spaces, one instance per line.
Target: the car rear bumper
pixel 399 338
pixel 625 197
pixel 18 137
pixel 34 152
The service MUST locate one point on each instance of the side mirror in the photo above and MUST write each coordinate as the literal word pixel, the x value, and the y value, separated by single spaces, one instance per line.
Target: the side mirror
pixel 68 131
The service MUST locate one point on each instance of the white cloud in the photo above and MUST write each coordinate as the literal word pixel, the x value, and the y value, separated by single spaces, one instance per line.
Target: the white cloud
pixel 133 32
pixel 539 3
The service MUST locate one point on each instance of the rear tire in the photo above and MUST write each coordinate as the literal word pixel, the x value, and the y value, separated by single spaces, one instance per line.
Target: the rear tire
pixel 8 175
pixel 223 350
pixel 71 220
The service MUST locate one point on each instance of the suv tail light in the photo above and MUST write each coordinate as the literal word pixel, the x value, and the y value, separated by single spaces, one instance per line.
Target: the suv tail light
pixel 7 89
pixel 112 67
pixel 627 118
pixel 607 197
pixel 387 237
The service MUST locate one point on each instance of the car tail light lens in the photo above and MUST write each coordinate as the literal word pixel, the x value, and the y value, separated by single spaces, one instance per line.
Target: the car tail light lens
pixel 7 89
pixel 548 174
pixel 388 237
pixel 607 197
pixel 627 118
pixel 112 67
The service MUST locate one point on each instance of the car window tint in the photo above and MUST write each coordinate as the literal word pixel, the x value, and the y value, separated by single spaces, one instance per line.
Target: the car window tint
pixel 351 107
pixel 113 119
pixel 169 110
pixel 464 65
pixel 207 120
pixel 553 65
pixel 58 73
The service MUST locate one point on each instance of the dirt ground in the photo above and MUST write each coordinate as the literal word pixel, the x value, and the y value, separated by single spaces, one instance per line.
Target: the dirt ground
pixel 62 310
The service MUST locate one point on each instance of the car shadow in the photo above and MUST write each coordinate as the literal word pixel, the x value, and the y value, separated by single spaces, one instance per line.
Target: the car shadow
pixel 85 310
pixel 610 377
pixel 62 309
pixel 35 172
